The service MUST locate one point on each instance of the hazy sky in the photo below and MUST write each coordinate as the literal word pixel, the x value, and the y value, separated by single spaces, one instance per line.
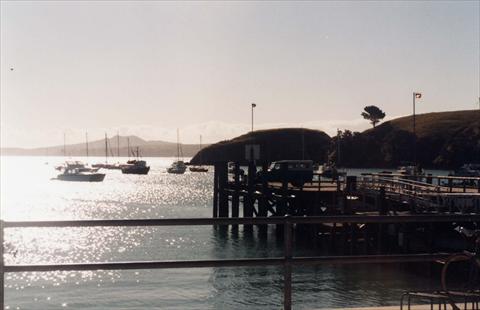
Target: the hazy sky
pixel 149 67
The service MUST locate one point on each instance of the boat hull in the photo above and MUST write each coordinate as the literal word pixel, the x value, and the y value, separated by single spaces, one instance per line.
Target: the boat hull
pixel 198 169
pixel 176 171
pixel 135 170
pixel 94 177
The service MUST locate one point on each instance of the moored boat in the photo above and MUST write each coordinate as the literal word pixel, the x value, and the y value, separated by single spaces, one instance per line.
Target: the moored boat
pixel 81 167
pixel 410 170
pixel 198 169
pixel 468 170
pixel 178 166
pixel 135 167
pixel 77 172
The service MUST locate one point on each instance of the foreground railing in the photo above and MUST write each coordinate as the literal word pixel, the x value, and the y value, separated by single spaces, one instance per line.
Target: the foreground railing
pixel 287 261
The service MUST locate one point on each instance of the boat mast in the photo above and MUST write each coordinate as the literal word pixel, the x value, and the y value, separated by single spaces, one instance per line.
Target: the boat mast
pixel 199 151
pixel 128 147
pixel 86 142
pixel 106 149
pixel 64 144
pixel 178 146
pixel 118 144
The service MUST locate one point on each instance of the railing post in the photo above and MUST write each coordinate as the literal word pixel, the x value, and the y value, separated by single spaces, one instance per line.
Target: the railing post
pixel 287 285
pixel 2 263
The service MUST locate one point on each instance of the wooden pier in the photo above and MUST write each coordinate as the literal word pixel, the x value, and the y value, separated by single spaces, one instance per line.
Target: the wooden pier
pixel 238 192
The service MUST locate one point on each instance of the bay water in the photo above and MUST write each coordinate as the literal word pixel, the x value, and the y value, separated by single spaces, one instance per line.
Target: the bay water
pixel 29 193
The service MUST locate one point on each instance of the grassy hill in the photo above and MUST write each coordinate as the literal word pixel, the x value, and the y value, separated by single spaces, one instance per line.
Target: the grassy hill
pixel 275 144
pixel 444 140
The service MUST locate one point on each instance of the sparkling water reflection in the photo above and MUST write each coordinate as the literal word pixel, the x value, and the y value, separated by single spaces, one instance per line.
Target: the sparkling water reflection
pixel 27 193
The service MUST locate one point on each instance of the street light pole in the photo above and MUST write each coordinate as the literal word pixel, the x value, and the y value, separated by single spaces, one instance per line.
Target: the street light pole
pixel 253 106
pixel 415 96
pixel 414 134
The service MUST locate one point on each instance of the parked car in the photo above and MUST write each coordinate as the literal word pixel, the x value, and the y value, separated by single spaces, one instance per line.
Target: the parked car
pixel 296 172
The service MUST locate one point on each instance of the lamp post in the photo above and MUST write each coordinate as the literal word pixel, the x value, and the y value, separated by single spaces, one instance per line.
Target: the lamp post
pixel 253 106
pixel 415 96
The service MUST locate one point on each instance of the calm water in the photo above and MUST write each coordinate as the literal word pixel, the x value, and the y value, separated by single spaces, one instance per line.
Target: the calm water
pixel 27 193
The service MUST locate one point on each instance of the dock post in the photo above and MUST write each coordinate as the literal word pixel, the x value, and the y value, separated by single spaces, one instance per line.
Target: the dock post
pixel 222 185
pixel 382 211
pixel 236 194
pixel 216 170
pixel 250 201
pixel 287 289
pixel 262 203
pixel 382 202
pixel 282 205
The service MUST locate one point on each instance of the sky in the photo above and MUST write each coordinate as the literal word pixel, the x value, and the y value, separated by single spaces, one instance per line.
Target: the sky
pixel 147 68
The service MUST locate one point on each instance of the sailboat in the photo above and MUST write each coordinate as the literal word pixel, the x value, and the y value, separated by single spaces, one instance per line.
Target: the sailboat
pixel 178 166
pixel 135 166
pixel 106 165
pixel 199 168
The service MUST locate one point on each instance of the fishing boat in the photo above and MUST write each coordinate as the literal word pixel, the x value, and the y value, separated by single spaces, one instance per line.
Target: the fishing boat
pixel 76 171
pixel 200 168
pixel 135 166
pixel 178 166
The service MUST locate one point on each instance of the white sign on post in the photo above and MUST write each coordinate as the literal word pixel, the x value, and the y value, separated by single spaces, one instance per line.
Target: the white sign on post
pixel 252 152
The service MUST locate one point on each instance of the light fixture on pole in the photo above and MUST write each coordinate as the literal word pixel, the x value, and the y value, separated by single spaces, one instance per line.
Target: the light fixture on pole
pixel 253 106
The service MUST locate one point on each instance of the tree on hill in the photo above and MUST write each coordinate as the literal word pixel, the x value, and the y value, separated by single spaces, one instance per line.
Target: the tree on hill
pixel 374 114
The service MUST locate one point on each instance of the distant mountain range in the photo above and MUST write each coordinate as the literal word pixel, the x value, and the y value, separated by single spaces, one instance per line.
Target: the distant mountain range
pixel 97 148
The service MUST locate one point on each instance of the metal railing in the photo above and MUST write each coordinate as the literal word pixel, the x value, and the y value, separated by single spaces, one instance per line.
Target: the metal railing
pixel 287 261
pixel 441 184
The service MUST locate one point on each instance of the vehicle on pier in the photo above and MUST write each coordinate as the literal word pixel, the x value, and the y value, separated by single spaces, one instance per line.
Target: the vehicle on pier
pixel 296 172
